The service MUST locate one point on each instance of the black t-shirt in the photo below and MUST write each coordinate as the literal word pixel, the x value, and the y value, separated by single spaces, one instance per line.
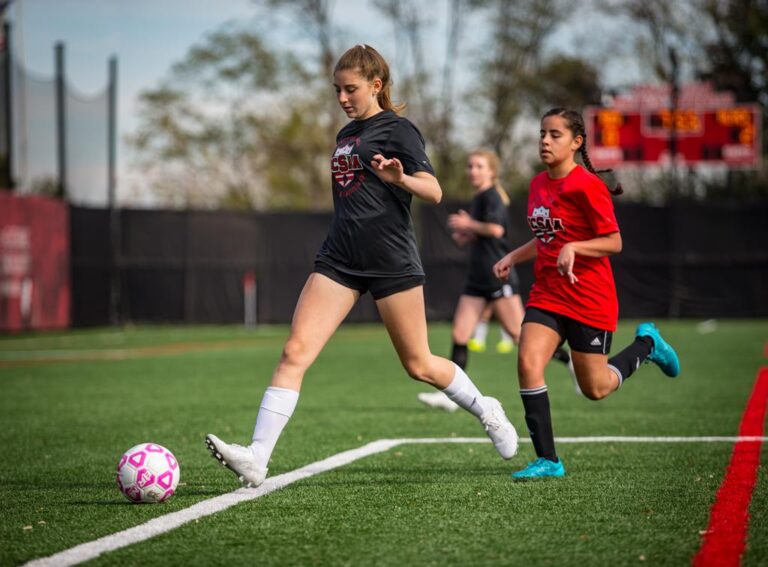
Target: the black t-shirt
pixel 487 207
pixel 372 232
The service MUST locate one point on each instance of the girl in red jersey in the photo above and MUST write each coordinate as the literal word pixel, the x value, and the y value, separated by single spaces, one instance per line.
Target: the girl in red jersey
pixel 378 165
pixel 573 297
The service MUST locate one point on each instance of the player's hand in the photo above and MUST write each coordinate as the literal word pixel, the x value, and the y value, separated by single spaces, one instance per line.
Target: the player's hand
pixel 565 261
pixel 460 221
pixel 388 170
pixel 502 267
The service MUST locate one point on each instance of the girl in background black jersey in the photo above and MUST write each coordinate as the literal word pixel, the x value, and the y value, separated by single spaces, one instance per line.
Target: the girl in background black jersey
pixel 486 229
pixel 378 165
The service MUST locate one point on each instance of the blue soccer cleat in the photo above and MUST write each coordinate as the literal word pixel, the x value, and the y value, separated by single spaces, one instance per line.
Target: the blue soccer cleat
pixel 540 468
pixel 662 354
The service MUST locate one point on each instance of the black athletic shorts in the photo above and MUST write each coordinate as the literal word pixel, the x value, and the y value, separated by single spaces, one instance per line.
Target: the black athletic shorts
pixel 493 289
pixel 380 287
pixel 580 337
pixel 489 293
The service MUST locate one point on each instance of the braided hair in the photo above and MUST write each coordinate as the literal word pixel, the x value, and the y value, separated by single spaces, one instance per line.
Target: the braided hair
pixel 575 123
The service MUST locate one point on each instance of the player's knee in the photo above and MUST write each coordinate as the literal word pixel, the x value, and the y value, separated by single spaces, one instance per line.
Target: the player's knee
pixel 294 352
pixel 594 392
pixel 529 366
pixel 417 370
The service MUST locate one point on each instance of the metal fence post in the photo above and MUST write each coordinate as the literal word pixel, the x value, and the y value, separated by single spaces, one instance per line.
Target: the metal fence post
pixel 61 121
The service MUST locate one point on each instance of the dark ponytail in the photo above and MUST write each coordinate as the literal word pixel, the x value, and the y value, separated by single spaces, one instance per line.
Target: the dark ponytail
pixel 575 123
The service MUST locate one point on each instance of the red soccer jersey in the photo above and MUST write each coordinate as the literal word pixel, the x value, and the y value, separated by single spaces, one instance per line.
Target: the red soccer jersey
pixel 575 208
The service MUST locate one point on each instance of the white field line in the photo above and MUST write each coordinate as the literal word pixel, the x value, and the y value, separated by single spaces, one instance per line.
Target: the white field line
pixel 168 522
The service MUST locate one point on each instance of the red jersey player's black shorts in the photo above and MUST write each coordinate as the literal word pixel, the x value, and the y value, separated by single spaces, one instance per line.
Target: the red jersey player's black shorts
pixel 380 287
pixel 580 337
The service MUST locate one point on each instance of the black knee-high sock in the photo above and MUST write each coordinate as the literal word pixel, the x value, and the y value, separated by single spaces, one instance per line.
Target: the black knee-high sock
pixel 628 360
pixel 459 355
pixel 539 421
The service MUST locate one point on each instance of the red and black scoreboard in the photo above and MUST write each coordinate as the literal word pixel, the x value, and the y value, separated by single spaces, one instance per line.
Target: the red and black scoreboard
pixel 639 129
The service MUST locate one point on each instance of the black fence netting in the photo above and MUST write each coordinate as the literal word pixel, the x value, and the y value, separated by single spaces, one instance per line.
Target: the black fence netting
pixel 190 266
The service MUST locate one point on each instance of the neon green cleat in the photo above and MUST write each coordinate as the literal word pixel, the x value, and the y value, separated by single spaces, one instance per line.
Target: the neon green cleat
pixel 505 347
pixel 476 346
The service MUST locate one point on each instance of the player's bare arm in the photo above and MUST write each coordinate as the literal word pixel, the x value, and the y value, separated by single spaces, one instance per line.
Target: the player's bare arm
pixel 594 248
pixel 519 255
pixel 422 184
pixel 462 221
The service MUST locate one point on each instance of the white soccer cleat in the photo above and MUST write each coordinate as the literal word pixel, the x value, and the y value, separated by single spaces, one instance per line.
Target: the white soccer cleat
pixel 498 427
pixel 238 459
pixel 438 400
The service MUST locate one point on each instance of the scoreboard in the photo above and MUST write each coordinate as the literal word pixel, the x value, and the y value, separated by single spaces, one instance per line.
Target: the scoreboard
pixel 707 127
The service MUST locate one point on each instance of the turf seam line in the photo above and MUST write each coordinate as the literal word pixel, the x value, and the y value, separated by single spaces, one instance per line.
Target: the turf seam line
pixel 167 522
pixel 725 538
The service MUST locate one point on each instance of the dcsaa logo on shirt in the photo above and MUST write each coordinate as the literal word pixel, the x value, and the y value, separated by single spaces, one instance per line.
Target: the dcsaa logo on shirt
pixel 345 164
pixel 544 227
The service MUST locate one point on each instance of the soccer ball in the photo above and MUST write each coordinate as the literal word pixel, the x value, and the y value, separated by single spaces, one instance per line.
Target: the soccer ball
pixel 148 473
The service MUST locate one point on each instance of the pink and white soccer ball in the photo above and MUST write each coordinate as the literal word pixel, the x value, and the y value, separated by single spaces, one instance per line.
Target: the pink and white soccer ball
pixel 148 473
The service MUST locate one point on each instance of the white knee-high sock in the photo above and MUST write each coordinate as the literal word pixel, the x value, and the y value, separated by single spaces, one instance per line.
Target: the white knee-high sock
pixel 276 409
pixel 481 331
pixel 505 336
pixel 464 392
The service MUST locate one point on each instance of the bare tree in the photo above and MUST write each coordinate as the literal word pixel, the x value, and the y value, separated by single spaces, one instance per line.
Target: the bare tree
pixel 514 56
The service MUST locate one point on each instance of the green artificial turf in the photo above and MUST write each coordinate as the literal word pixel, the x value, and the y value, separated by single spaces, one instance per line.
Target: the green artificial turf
pixel 72 402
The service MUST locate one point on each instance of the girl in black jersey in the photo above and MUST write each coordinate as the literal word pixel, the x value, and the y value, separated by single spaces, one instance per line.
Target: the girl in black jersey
pixel 378 165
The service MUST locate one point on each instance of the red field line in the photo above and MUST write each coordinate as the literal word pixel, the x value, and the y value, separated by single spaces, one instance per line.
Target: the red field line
pixel 723 542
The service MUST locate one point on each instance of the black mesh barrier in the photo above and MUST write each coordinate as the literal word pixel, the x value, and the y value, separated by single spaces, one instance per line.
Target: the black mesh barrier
pixel 91 261
pixel 178 266
pixel 642 270
pixel 721 261
pixel 222 247
pixel 445 263
pixel 153 259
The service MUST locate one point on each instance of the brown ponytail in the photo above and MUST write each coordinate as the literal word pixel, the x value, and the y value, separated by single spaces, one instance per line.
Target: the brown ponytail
pixel 575 123
pixel 370 64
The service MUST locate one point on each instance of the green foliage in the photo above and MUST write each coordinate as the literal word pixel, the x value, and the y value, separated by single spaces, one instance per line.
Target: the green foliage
pixel 233 127
pixel 242 122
